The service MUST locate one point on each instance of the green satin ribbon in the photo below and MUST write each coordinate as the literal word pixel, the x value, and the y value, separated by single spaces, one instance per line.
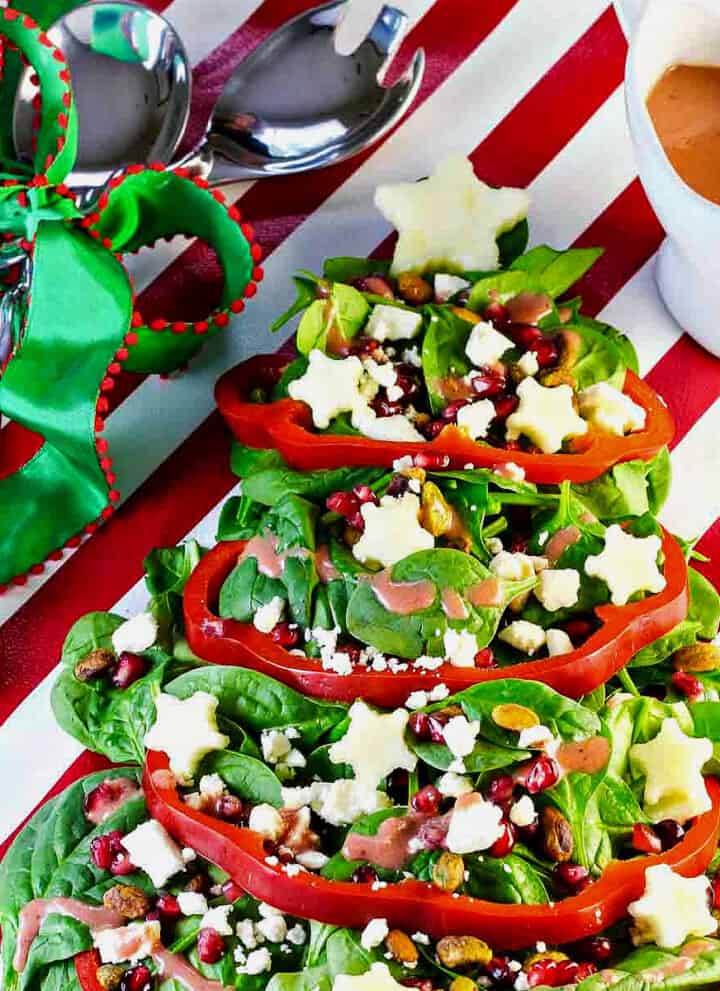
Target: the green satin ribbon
pixel 78 323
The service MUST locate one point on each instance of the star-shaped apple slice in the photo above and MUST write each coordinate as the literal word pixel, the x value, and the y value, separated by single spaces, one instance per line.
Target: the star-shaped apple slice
pixel 186 730
pixel 672 763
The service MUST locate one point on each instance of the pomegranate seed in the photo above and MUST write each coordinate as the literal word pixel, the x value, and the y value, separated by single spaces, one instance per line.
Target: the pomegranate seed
pixel 121 865
pixel 526 834
pixel 286 634
pixel 498 970
pixel 365 874
pixel 542 972
pixel 409 386
pixel 541 773
pixel 168 907
pixel 398 783
pixel 487 384
pixel 545 351
pixel 105 798
pixel 573 876
pixel 505 842
pixel 437 721
pixel 496 312
pixel 375 284
pixel 232 891
pixel 598 948
pixel 504 406
pixel 106 849
pixel 353 651
pixel 519 544
pixel 398 485
pixel 645 839
pixel 137 978
pixel 578 630
pixel 128 669
pixel 427 800
pixel 419 723
pixel 485 659
pixel 524 334
pixel 689 685
pixel 210 945
pixel 365 494
pixel 421 983
pixel 365 345
pixel 153 916
pixel 449 414
pixel 584 970
pixel 670 833
pixel 229 807
pixel 433 833
pixel 500 789
pixel 431 461
pixel 343 503
pixel 383 407
pixel 566 972
pixel 432 429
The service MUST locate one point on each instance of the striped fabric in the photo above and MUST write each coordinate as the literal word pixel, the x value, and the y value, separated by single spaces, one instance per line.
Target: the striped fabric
pixel 531 90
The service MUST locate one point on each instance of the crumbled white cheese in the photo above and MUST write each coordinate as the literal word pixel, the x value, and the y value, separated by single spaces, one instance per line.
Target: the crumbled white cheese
pixel 329 386
pixel 486 345
pixel 374 745
pixel 452 218
pixel 245 931
pixel 396 428
pixel 128 943
pixel 186 730
pixel 374 933
pixel 606 407
pixel 268 616
pixel 453 785
pixel 342 802
pixel 152 849
pixel 523 635
pixel 528 364
pixel 439 692
pixel 378 978
pixel 267 821
pixel 522 812
pixel 217 919
pixel 392 530
pixel 627 564
pixel 534 736
pixel 296 935
pixel 671 909
pixel 558 642
pixel 476 418
pixel 192 903
pixel 273 928
pixel 258 961
pixel 136 634
pixel 558 588
pixel 416 700
pixel 475 824
pixel 546 416
pixel 672 763
pixel 404 463
pixel 461 646
pixel 447 286
pixel 494 545
pixel 460 735
pixel 512 566
pixel 385 375
pixel 275 745
pixel 392 323
pixel 211 785
pixel 312 860
pixel 411 356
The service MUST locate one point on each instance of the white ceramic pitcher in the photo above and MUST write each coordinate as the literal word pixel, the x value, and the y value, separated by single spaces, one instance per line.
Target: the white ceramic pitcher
pixel 662 33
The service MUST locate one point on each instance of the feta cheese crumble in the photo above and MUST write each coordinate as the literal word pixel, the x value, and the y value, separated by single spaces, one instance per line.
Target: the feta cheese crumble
pixel 374 933
pixel 486 345
pixel 558 588
pixel 606 407
pixel 476 418
pixel 461 646
pixel 393 323
pixel 475 824
pixel 153 850
pixel 524 636
pixel 136 634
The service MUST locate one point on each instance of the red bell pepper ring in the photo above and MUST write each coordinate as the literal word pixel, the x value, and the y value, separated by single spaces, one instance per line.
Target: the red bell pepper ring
pixel 624 630
pixel 287 426
pixel 240 852
pixel 86 965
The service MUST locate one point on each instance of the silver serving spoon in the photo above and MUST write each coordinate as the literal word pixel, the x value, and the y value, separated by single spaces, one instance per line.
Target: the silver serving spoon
pixel 294 104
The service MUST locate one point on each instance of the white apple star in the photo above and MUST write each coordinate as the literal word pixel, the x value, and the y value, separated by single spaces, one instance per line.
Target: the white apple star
pixel 546 416
pixel 627 564
pixel 450 221
pixel 374 745
pixel 672 764
pixel 671 909
pixel 186 730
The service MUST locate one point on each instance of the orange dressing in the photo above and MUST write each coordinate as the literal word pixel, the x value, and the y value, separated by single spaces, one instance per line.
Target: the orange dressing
pixel 684 106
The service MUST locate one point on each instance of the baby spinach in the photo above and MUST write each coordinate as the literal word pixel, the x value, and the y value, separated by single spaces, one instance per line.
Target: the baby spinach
pixel 623 343
pixel 109 720
pixel 701 623
pixel 443 352
pixel 599 359
pixel 414 634
pixel 167 570
pixel 347 269
pixel 240 519
pixel 246 776
pixel 93 631
pixel 245 590
pixel 306 294
pixel 51 857
pixel 628 489
pixel 258 702
pixel 344 310
pixel 508 880
pixel 638 971
pixel 541 270
pixel 484 757
pixel 512 243
pixel 292 520
pixel 295 370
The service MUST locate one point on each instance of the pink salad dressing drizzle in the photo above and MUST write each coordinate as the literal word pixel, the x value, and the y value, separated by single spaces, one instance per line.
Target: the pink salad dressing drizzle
pixel 453 604
pixel 402 598
pixel 392 845
pixel 488 592
pixel 327 572
pixel 173 966
pixel 529 307
pixel 586 756
pixel 32 916
pixel 559 543
pixel 270 561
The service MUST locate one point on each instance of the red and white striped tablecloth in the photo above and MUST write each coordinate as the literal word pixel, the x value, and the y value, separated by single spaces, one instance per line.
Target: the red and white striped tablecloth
pixel 532 91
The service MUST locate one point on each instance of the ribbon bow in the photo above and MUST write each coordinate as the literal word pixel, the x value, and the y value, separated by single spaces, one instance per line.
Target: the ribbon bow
pixel 68 314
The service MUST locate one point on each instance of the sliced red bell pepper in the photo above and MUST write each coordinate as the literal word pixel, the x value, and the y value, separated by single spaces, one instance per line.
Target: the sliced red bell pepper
pixel 240 852
pixel 624 630
pixel 287 426
pixel 86 965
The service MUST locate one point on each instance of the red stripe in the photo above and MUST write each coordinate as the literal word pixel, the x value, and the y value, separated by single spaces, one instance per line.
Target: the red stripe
pixel 85 764
pixel 171 502
pixel 689 379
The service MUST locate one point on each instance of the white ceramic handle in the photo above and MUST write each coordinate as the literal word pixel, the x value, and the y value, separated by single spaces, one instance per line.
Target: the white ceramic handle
pixel 629 13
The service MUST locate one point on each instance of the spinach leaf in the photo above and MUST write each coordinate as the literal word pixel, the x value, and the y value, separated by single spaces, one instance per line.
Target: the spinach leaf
pixel 509 880
pixel 512 243
pixel 608 818
pixel 346 269
pixel 701 623
pixel 344 312
pixel 269 484
pixel 638 971
pixel 292 520
pixel 295 370
pixel 443 352
pixel 484 757
pixel 50 857
pixel 93 631
pixel 167 570
pixel 258 702
pixel 246 776
pixel 109 720
pixel 541 270
pixel 414 634
pixel 246 461
pixel 623 343
pixel 245 589
pixel 631 488
pixel 240 519
pixel 599 360
pixel 306 293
